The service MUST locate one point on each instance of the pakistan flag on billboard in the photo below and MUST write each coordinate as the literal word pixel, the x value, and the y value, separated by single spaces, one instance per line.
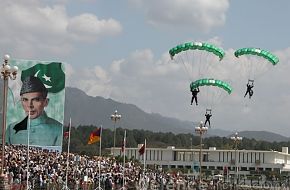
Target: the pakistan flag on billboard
pixel 35 106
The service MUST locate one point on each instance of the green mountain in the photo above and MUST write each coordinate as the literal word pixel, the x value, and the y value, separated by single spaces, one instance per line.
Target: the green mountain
pixel 88 110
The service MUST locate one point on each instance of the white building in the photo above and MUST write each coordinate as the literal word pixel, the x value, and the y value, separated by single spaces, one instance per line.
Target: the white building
pixel 213 159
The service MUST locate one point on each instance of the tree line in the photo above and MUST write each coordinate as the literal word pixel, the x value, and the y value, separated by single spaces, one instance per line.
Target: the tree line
pixel 80 136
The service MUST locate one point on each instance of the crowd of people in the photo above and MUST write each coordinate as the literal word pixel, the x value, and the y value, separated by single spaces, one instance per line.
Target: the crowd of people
pixel 48 170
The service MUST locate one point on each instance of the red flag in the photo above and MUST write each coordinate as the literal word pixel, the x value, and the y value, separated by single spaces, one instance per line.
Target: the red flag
pixel 95 136
pixel 67 131
pixel 225 170
pixel 142 149
pixel 66 134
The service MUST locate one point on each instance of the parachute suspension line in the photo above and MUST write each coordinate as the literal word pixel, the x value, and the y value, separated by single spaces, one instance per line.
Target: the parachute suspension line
pixel 253 68
pixel 191 63
pixel 208 110
pixel 209 97
pixel 255 65
pixel 212 98
pixel 208 59
pixel 184 66
pixel 194 64
pixel 217 96
pixel 200 71
pixel 206 96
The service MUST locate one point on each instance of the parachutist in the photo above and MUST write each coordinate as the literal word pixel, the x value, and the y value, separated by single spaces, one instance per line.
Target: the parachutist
pixel 194 93
pixel 207 117
pixel 250 85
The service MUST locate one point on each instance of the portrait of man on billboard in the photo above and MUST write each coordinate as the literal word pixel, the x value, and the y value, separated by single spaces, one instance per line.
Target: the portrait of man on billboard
pixel 34 99
pixel 40 109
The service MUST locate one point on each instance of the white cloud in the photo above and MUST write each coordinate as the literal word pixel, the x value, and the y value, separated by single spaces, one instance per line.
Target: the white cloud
pixel 116 66
pixel 87 27
pixel 202 15
pixel 101 74
pixel 30 28
pixel 95 82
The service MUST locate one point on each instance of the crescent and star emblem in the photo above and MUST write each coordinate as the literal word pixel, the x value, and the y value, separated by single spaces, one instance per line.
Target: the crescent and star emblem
pixel 46 78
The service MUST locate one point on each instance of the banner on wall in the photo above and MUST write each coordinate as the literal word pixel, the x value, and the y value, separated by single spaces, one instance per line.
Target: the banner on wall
pixel 35 104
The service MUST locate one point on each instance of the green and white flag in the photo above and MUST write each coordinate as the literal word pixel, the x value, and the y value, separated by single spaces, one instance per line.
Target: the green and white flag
pixel 50 74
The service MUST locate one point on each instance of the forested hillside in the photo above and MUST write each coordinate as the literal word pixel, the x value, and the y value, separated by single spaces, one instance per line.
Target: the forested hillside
pixel 80 136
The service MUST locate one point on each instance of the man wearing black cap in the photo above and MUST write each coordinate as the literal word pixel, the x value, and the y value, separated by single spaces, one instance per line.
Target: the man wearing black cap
pixel 43 130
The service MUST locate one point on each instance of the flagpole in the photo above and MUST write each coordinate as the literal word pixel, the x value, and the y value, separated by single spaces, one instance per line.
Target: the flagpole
pixel 144 158
pixel 67 158
pixel 124 154
pixel 28 129
pixel 100 154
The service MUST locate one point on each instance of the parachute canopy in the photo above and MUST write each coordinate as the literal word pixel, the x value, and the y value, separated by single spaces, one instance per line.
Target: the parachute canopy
pixel 255 62
pixel 211 82
pixel 198 59
pixel 199 46
pixel 259 52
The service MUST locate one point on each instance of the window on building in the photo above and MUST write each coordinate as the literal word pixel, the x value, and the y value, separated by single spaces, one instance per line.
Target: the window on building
pixel 204 159
pixel 219 168
pixel 252 169
pixel 211 167
pixel 174 156
pixel 243 168
pixel 243 157
pixel 164 166
pixel 251 157
pixel 276 170
pixel 157 154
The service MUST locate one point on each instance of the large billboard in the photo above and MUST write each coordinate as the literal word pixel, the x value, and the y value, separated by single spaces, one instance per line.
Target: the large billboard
pixel 35 104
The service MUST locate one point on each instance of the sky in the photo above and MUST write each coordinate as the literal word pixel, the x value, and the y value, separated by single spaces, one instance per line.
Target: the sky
pixel 119 50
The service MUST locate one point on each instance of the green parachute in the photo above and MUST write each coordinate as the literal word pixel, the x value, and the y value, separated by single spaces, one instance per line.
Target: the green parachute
pixel 211 82
pixel 198 58
pixel 259 52
pixel 197 46
pixel 254 62
pixel 213 91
